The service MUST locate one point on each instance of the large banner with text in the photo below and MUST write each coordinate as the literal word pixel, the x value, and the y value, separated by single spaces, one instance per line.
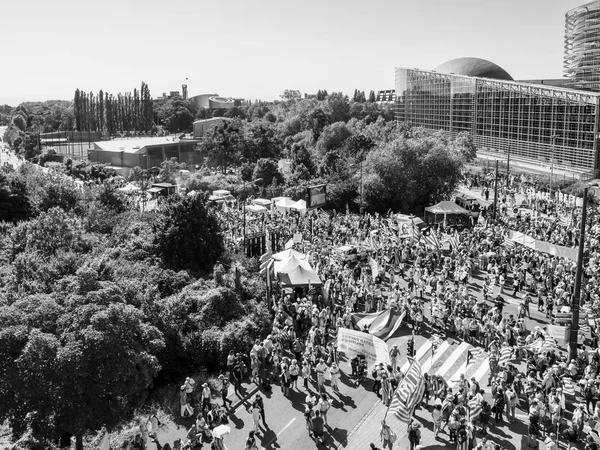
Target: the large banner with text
pixel 353 342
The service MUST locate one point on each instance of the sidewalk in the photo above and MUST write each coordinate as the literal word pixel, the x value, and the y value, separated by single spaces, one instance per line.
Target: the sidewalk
pixel 177 427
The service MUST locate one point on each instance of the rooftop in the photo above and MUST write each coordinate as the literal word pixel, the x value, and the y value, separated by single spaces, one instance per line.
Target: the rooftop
pixel 137 145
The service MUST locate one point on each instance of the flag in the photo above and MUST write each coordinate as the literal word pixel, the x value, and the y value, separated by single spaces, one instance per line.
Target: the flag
pixel 416 232
pixel 455 240
pixel 474 408
pixel 508 243
pixel 289 244
pixel 406 396
pixel 432 241
pixel 505 354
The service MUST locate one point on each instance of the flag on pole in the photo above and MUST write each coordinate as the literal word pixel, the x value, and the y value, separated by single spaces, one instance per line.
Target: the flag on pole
pixel 408 393
pixel 416 232
pixel 455 240
pixel 508 243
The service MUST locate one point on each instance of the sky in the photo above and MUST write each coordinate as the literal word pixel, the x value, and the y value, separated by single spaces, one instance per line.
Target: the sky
pixel 256 49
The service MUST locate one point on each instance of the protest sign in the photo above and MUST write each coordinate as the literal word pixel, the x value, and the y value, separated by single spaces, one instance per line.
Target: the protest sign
pixel 353 342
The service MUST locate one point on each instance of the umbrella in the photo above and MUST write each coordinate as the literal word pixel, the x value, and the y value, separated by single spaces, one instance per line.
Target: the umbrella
pixel 221 431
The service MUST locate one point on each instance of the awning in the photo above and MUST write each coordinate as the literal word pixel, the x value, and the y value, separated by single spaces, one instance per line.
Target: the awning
pixel 300 277
pixel 446 207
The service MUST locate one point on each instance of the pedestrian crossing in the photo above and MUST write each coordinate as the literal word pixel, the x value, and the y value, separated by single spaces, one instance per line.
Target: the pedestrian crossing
pixel 449 361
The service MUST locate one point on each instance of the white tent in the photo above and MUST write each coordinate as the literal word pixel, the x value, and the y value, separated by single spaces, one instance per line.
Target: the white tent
pixel 221 193
pixel 300 205
pixel 261 202
pixel 276 199
pixel 284 204
pixel 290 264
pixel 130 188
pixel 255 209
pixel 287 254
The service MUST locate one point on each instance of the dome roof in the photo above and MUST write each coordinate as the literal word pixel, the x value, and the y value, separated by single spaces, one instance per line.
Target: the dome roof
pixel 474 67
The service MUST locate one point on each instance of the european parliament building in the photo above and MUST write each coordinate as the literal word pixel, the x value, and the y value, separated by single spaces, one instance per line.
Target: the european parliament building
pixel 537 123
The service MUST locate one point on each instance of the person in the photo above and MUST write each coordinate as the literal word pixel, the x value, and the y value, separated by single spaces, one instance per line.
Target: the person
pixel 550 442
pixel 511 403
pixel 261 404
pixel 225 390
pixel 186 409
pixel 385 434
pixel 320 369
pixel 373 447
pixel 437 417
pixel 251 441
pixel 590 444
pixel 334 374
pixel 206 397
pixel 255 411
pixel 498 405
pixel 324 405
pixel 190 385
pixel 317 427
pixel 394 355
pixel 414 435
pixel 192 436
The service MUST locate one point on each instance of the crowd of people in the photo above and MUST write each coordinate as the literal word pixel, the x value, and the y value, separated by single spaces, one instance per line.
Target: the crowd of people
pixel 430 280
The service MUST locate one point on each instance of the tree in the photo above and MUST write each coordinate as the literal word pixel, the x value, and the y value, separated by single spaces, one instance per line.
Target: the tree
pixel 334 137
pixel 267 170
pixel 187 234
pixel 408 174
pixel 223 144
pixel 290 95
pixel 372 97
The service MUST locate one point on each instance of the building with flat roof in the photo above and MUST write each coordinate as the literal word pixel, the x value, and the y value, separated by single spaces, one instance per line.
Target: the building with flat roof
pixel 582 46
pixel 147 152
pixel 539 124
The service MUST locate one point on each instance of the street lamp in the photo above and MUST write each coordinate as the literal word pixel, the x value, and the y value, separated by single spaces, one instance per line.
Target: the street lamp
pixel 577 292
pixel 552 164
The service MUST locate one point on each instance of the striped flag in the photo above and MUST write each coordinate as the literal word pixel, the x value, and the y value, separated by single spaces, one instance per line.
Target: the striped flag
pixel 474 408
pixel 508 243
pixel 455 240
pixel 416 233
pixel 505 354
pixel 432 241
pixel 409 393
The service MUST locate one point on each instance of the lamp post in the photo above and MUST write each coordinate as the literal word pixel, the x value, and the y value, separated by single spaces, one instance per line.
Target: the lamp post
pixel 552 165
pixel 495 192
pixel 577 293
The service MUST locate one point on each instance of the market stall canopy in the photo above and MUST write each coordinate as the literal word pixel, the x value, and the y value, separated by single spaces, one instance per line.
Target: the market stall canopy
pixel 226 198
pixel 300 277
pixel 276 199
pixel 221 193
pixel 287 254
pixel 288 265
pixel 405 219
pixel 129 188
pixel 256 209
pixel 284 204
pixel 299 205
pixel 446 207
pixel 261 202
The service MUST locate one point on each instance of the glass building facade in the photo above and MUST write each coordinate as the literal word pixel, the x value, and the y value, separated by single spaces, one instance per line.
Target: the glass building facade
pixel 582 46
pixel 539 124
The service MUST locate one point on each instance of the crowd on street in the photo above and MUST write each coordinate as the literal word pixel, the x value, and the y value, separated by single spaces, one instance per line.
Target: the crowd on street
pixel 427 274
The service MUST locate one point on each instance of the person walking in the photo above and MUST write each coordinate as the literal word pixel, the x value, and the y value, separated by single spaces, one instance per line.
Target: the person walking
pixel 320 369
pixel 437 417
pixel 251 443
pixel 334 374
pixel 386 436
pixel 186 409
pixel 206 397
pixel 414 435
pixel 261 404
pixel 324 405
pixel 498 405
pixel 224 390
pixel 255 411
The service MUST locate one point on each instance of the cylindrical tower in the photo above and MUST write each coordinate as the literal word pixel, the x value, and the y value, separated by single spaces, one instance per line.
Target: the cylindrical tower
pixel 582 46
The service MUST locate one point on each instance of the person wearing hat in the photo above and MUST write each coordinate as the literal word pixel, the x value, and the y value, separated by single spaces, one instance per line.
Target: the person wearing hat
pixel 320 368
pixel 414 435
pixel 386 435
pixel 186 409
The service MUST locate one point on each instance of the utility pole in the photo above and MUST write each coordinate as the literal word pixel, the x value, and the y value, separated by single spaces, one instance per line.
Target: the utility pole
pixel 508 169
pixel 577 294
pixel 495 193
pixel 552 165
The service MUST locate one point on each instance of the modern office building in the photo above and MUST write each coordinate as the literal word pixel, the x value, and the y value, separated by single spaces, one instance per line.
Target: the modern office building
pixel 582 46
pixel 541 124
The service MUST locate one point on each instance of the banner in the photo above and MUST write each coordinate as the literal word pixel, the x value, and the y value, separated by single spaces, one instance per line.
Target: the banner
pixel 557 332
pixel 543 246
pixel 353 342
